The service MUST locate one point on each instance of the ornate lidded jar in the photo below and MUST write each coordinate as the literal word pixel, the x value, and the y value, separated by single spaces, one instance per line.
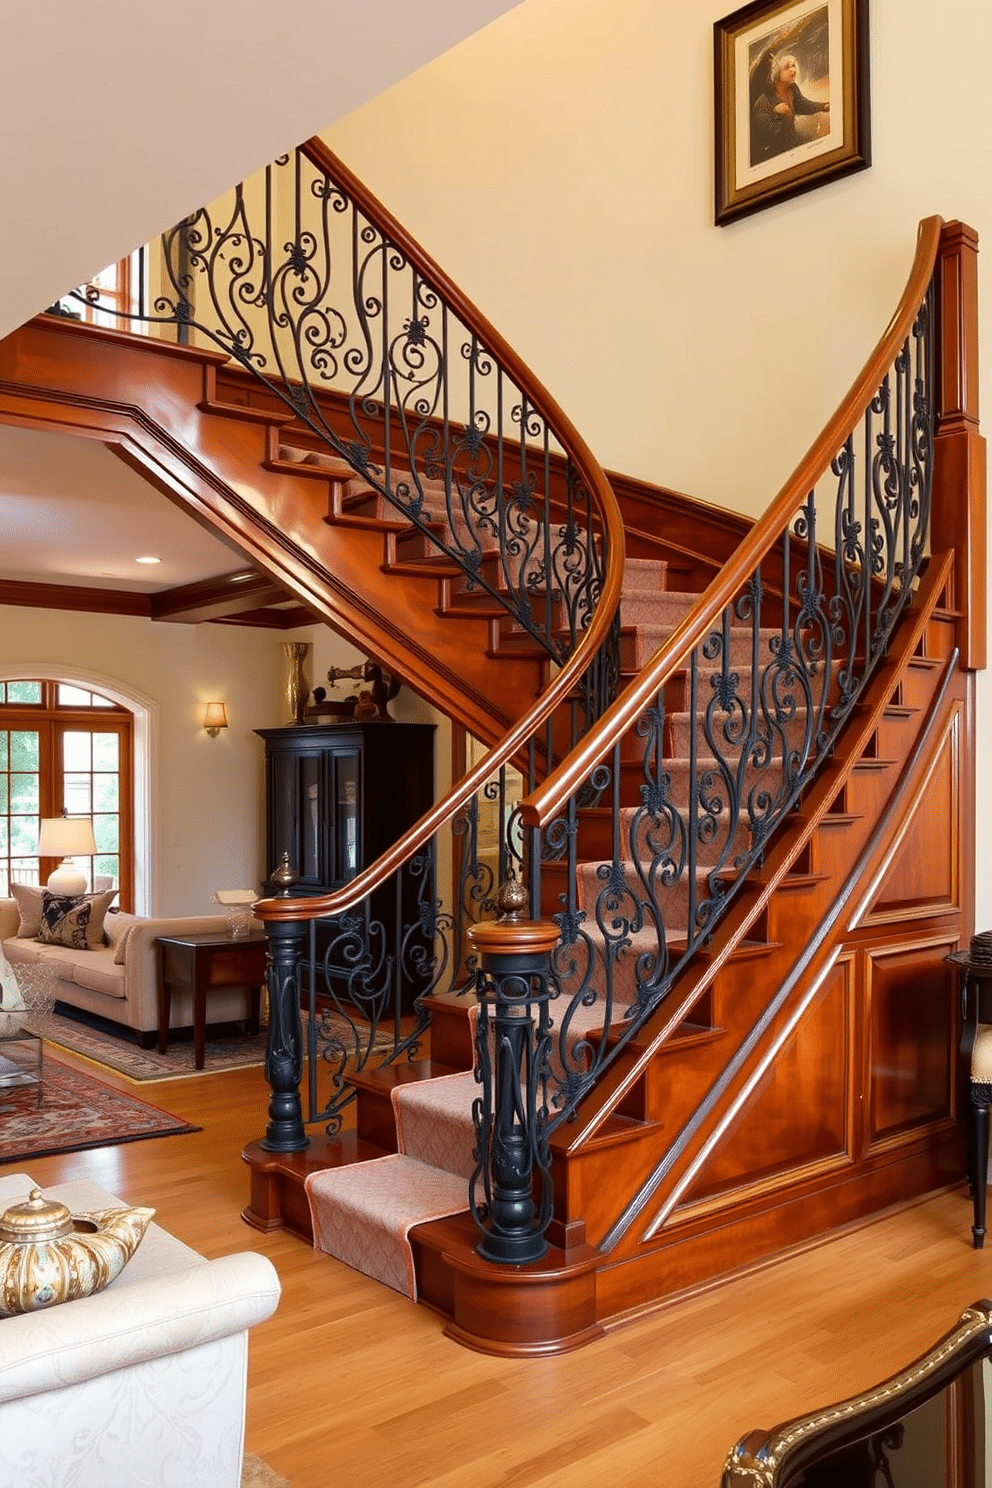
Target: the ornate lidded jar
pixel 48 1255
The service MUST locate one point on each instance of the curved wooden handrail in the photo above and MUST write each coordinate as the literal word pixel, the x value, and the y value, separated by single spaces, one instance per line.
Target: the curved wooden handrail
pixel 612 536
pixel 542 805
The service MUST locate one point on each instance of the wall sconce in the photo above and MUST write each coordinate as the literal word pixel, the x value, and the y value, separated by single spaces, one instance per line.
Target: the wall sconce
pixel 66 837
pixel 215 718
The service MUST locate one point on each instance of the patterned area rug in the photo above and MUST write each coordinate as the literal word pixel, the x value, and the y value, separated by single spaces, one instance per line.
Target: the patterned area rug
pixel 110 1044
pixel 76 1112
pixel 258 1474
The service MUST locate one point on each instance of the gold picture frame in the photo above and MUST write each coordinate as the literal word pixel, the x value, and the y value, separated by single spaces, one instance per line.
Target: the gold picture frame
pixel 791 100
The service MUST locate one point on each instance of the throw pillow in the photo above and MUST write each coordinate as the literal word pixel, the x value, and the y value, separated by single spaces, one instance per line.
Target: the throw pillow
pixel 117 928
pixel 28 897
pixel 76 923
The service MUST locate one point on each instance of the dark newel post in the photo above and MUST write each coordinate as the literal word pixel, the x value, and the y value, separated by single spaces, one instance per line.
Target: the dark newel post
pixel 514 985
pixel 284 1054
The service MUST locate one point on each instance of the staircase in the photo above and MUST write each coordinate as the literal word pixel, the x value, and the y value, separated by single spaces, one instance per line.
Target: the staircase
pixel 747 796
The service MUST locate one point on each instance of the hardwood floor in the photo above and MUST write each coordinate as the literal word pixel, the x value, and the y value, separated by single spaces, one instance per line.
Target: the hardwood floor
pixel 353 1385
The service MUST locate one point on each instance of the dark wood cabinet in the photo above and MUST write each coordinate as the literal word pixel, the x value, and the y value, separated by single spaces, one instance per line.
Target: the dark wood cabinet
pixel 338 795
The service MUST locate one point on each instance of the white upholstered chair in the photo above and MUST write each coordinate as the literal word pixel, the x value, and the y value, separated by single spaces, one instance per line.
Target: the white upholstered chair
pixel 142 1385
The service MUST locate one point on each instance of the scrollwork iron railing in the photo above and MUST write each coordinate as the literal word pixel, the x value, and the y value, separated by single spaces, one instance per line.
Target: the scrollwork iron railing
pixel 305 281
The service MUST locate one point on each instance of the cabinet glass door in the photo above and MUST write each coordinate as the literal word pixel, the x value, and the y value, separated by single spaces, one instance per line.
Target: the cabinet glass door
pixel 311 867
pixel 346 825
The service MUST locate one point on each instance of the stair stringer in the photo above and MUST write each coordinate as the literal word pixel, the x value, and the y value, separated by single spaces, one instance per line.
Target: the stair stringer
pixel 623 1135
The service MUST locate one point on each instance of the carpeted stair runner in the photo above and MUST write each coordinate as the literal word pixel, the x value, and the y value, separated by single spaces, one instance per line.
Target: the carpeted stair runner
pixel 362 1214
pixel 434 1122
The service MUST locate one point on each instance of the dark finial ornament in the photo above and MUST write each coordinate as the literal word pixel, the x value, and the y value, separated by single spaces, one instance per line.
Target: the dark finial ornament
pixel 284 877
pixel 511 901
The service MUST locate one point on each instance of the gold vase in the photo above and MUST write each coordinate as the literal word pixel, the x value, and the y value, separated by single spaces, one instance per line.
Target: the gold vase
pixel 297 690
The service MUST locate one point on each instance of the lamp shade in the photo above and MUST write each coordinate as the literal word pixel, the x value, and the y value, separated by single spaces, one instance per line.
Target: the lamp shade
pixel 66 836
pixel 61 837
pixel 215 718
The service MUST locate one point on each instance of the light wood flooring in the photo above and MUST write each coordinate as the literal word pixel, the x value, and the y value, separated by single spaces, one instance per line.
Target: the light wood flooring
pixel 351 1385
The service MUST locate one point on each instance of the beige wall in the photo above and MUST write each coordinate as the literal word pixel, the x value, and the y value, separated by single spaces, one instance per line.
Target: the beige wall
pixel 201 805
pixel 104 147
pixel 204 796
pixel 559 165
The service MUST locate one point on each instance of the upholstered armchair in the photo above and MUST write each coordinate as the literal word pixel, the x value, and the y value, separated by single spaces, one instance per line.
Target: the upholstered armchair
pixel 140 1386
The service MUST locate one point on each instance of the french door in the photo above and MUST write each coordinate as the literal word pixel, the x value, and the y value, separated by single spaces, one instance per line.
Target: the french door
pixel 64 749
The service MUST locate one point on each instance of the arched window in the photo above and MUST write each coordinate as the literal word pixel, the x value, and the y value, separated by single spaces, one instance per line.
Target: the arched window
pixel 65 749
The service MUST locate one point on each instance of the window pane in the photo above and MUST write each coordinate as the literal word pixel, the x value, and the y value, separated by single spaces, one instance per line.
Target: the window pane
pixel 106 793
pixel 24 692
pixel 106 830
pixel 76 795
pixel 24 797
pixel 4 837
pixel 107 865
pixel 24 834
pixel 106 752
pixel 4 807
pixel 73 697
pixel 24 749
pixel 75 750
pixel 3 749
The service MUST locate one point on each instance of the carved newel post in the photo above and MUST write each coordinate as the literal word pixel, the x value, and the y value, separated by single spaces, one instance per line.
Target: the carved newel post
pixel 284 1053
pixel 513 985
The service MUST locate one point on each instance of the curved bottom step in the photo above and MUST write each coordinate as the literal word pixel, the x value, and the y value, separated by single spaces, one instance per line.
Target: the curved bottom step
pixel 362 1214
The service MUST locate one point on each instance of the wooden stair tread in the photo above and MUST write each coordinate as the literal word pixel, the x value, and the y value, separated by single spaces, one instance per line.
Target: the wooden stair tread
pixel 243 412
pixel 387 1077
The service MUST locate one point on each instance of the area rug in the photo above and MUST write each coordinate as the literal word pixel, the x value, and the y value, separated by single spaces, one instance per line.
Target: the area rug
pixel 117 1048
pixel 258 1474
pixel 76 1113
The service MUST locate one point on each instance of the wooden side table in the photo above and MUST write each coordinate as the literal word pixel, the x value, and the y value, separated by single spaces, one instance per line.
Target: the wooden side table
pixel 204 963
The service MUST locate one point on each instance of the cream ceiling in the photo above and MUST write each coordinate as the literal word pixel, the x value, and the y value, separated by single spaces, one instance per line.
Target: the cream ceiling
pixel 117 119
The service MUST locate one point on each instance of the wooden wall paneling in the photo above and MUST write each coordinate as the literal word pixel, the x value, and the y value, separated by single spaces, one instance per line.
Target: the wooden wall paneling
pixel 925 874
pixel 799 1120
pixel 912 1038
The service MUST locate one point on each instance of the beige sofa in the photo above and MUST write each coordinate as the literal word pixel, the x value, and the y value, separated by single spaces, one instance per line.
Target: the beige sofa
pixel 119 981
pixel 140 1385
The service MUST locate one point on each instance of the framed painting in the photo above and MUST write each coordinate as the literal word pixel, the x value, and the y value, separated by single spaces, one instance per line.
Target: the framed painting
pixel 791 94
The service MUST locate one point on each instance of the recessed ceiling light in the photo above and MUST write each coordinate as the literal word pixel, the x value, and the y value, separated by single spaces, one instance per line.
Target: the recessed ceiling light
pixel 148 560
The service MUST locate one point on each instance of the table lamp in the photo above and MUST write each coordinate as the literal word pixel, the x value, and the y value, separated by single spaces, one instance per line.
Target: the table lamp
pixel 66 837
